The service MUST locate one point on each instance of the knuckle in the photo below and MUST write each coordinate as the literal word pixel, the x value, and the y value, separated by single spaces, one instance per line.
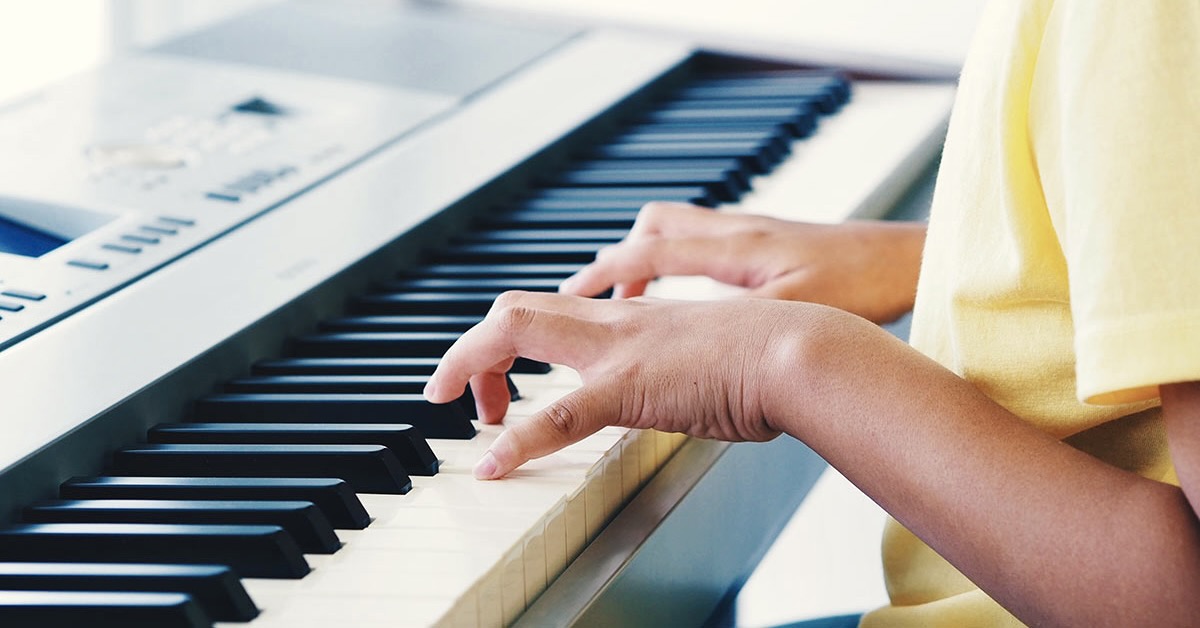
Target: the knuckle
pixel 514 319
pixel 507 299
pixel 562 420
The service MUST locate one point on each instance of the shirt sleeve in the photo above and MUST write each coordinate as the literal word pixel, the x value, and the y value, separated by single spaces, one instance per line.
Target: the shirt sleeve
pixel 1115 123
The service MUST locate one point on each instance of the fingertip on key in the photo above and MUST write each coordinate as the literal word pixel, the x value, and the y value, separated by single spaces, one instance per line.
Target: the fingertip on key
pixel 485 469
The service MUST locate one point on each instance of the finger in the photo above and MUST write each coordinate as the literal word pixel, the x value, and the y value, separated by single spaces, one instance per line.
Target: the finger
pixel 492 396
pixel 630 290
pixel 682 220
pixel 566 421
pixel 519 324
pixel 633 263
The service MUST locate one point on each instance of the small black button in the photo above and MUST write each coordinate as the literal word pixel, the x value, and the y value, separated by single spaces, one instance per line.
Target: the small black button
pixel 159 229
pixel 9 306
pixel 174 220
pixel 140 239
pixel 23 294
pixel 259 106
pixel 88 264
pixel 228 197
pixel 121 248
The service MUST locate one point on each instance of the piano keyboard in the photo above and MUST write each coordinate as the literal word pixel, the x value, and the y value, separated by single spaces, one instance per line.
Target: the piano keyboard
pixel 232 491
pixel 201 474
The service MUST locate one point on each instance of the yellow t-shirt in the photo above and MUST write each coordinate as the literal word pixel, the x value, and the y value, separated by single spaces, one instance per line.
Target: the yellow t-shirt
pixel 1062 270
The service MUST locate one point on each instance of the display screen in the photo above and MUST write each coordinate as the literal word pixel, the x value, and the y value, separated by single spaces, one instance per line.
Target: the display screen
pixel 18 239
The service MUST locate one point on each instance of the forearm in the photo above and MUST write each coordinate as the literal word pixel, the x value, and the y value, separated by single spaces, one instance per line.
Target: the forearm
pixel 1056 536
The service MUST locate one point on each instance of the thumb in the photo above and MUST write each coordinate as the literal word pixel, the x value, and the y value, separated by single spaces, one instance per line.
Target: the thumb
pixel 564 422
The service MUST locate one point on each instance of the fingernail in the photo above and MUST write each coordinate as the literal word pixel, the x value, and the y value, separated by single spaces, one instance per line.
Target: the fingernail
pixel 429 390
pixel 485 469
pixel 567 284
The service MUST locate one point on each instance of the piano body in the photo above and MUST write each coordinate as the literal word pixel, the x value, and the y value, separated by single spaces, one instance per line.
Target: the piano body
pixel 274 204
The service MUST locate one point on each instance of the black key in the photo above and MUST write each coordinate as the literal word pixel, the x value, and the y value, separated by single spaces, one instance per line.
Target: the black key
pixel 328 383
pixel 433 420
pixel 667 164
pixel 777 146
pixel 517 253
pixel 798 124
pixel 251 551
pixel 496 270
pixel 604 195
pixel 457 324
pixel 429 303
pixel 332 496
pixel 783 130
pixel 62 609
pixel 583 205
pixel 821 101
pixel 543 235
pixel 549 219
pixel 491 285
pixel 799 104
pixel 311 530
pixel 828 93
pixel 753 157
pixel 345 384
pixel 405 441
pixel 366 468
pixel 215 587
pixel 347 366
pixel 376 345
pixel 722 184
pixel 371 366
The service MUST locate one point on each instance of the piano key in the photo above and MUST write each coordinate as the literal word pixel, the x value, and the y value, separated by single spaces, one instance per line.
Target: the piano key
pixel 543 235
pixel 800 105
pixel 415 322
pixel 777 145
pixel 517 269
pixel 347 366
pixel 366 468
pixel 434 303
pixel 721 183
pixel 491 285
pixel 372 366
pixel 328 383
pixel 336 383
pixel 829 93
pixel 310 529
pixel 754 157
pixel 781 129
pixel 409 446
pixel 551 219
pixel 696 194
pixel 434 421
pixel 582 204
pixel 333 496
pixel 515 253
pixel 668 163
pixel 250 550
pixel 380 344
pixel 821 101
pixel 785 117
pixel 214 587
pixel 100 609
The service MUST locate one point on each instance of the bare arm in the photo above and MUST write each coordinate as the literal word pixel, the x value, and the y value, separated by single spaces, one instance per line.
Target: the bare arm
pixel 1056 536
